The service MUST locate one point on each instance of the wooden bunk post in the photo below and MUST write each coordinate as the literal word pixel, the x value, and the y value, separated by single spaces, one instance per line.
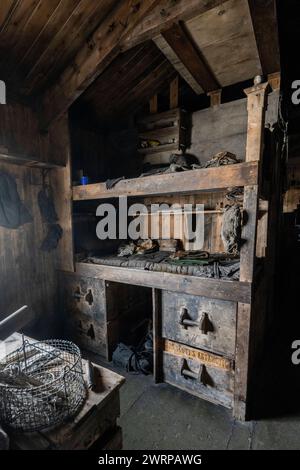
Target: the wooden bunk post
pixel 254 150
pixel 157 339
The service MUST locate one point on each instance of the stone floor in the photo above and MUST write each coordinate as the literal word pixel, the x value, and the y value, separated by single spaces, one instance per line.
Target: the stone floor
pixel 165 418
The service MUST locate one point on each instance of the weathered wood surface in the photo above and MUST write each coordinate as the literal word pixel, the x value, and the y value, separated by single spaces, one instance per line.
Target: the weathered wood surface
pixel 157 334
pixel 184 47
pixel 226 39
pixel 213 288
pixel 130 80
pixel 22 143
pixel 256 105
pixel 225 128
pixel 27 274
pixel 177 64
pixel 215 322
pixel 83 302
pixel 262 14
pixel 215 385
pixel 164 15
pixel 241 174
pixel 254 152
pixel 61 180
pixel 96 311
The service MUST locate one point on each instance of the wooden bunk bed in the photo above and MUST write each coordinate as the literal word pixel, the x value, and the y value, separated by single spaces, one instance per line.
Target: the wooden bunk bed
pixel 218 364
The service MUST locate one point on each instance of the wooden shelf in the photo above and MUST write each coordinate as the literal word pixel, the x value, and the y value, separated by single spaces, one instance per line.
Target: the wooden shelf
pixel 188 182
pixel 159 148
pixel 234 291
pixel 168 128
pixel 25 161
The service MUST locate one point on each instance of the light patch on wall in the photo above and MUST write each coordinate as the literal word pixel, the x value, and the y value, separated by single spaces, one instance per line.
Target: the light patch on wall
pixel 2 92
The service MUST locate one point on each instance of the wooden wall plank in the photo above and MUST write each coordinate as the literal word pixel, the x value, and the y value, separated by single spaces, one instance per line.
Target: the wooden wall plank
pixel 21 141
pixel 27 274
pixel 61 180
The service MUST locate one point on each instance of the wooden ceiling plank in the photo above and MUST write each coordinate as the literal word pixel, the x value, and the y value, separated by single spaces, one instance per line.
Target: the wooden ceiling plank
pixel 74 33
pixel 127 92
pixel 158 85
pixel 117 67
pixel 100 50
pixel 123 69
pixel 125 84
pixel 53 29
pixel 13 28
pixel 179 40
pixel 31 31
pixel 7 8
pixel 148 85
pixel 164 15
pixel 264 20
pixel 145 87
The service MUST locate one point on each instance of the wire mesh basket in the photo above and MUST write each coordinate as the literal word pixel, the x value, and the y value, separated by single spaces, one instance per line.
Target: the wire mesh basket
pixel 41 385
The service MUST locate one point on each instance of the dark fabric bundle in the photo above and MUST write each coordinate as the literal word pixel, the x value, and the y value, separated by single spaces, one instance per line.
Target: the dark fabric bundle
pixel 138 359
pixel 53 236
pixel 49 216
pixel 13 212
pixel 46 205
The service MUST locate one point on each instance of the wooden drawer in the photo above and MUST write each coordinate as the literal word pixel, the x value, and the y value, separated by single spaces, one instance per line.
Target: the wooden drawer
pixel 199 373
pixel 84 306
pixel 96 312
pixel 200 322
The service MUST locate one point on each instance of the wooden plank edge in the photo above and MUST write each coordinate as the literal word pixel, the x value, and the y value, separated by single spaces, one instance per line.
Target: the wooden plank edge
pixel 240 174
pixel 233 291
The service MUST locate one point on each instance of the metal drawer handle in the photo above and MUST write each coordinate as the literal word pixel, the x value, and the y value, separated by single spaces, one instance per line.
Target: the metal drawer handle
pixel 77 294
pixel 205 324
pixel 202 376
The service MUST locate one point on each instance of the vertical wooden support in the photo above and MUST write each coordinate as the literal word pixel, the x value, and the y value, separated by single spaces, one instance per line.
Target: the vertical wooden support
pixel 153 104
pixel 215 97
pixel 174 93
pixel 157 349
pixel 61 179
pixel 254 149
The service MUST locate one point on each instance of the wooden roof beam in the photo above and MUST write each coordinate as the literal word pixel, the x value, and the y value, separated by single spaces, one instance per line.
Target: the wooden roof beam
pixel 93 58
pixel 131 22
pixel 264 21
pixel 188 53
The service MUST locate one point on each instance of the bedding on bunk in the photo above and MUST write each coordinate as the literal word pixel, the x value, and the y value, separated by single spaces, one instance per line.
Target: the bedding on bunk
pixel 218 267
